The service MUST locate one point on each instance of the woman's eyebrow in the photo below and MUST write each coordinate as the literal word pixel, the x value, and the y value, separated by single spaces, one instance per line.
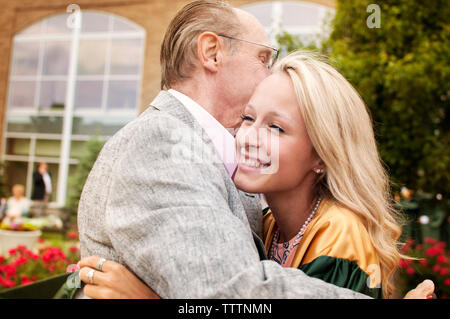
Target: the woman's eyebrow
pixel 280 115
pixel 275 114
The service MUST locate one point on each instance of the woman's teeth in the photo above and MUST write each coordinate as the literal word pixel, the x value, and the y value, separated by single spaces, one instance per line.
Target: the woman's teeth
pixel 253 163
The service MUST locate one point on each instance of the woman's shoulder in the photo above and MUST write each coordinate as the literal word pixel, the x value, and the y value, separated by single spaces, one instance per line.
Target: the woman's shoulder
pixel 339 232
pixel 334 217
pixel 338 249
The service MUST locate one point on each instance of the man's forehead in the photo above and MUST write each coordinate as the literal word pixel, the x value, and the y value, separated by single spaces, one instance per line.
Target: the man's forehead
pixel 252 28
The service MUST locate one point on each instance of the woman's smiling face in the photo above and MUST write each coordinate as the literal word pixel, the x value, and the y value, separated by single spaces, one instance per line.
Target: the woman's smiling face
pixel 274 150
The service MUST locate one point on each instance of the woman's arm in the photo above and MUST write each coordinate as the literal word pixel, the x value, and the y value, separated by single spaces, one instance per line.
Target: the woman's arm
pixel 117 282
pixel 114 281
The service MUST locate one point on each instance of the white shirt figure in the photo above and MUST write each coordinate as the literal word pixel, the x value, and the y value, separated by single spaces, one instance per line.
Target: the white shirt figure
pixel 17 207
pixel 47 182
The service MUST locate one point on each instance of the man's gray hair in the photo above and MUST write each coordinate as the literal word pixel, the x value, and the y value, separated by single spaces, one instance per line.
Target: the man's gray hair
pixel 179 47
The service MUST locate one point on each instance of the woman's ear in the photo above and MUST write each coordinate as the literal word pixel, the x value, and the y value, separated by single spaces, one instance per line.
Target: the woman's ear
pixel 209 50
pixel 319 166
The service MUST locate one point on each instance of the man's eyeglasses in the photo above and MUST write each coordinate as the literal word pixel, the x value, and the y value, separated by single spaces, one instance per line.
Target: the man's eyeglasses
pixel 275 53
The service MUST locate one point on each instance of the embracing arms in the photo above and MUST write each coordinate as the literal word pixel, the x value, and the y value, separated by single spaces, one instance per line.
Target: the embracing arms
pixel 170 222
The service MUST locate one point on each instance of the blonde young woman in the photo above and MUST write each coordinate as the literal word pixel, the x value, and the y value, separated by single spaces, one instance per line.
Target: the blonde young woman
pixel 331 212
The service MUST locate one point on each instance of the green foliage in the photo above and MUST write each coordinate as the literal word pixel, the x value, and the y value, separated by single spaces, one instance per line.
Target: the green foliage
pixel 85 164
pixel 402 71
pixel 288 43
pixel 4 193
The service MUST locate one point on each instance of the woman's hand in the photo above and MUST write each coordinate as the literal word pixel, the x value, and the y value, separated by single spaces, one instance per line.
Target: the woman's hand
pixel 424 290
pixel 114 281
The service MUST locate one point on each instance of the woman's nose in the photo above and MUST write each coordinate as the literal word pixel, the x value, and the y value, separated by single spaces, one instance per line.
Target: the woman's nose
pixel 251 137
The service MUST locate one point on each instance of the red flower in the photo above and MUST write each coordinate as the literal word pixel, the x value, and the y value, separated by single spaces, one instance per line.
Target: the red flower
pixel 72 235
pixel 423 262
pixel 410 271
pixel 72 268
pixel 12 251
pixel 73 249
pixel 19 261
pixel 441 244
pixel 41 240
pixel 7 283
pixel 47 257
pixel 402 263
pixel 410 241
pixel 2 259
pixel 25 282
pixel 9 270
pixel 432 251
pixel 419 246
pixel 430 241
pixel 447 282
pixel 444 271
pixel 441 259
pixel 436 268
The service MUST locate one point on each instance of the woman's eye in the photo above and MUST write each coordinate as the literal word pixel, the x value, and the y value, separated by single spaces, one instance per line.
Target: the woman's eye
pixel 246 118
pixel 277 128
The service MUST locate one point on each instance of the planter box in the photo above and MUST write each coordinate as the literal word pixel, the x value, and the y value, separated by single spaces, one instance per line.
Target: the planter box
pixel 11 239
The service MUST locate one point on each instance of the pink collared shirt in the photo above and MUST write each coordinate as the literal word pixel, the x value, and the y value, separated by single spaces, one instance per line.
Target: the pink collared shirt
pixel 222 139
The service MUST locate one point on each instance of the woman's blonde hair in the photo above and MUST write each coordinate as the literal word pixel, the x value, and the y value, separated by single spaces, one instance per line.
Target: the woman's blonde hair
pixel 341 132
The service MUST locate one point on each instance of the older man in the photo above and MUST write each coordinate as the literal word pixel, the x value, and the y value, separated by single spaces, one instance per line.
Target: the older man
pixel 160 198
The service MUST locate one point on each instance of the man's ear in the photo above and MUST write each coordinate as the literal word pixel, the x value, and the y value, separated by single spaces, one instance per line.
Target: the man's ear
pixel 209 50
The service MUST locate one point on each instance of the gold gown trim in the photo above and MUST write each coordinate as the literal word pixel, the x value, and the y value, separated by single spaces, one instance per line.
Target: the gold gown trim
pixel 335 231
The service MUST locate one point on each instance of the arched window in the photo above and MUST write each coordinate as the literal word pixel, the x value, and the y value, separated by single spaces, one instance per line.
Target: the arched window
pixel 307 20
pixel 65 85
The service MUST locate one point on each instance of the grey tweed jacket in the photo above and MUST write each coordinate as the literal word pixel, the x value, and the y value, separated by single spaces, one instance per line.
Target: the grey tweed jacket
pixel 160 201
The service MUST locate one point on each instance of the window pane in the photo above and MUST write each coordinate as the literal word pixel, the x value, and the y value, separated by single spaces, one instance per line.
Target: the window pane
pixel 300 15
pixel 56 58
pixel 34 124
pixel 53 95
pixel 16 173
pixel 57 24
pixel 21 93
pixel 102 126
pixel 48 148
pixel 126 56
pixel 94 22
pixel 25 58
pixel 88 94
pixel 17 146
pixel 77 149
pixel 122 94
pixel 91 57
pixel 121 25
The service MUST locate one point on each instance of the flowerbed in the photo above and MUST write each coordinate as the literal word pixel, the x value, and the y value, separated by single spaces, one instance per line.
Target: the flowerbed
pixel 433 262
pixel 23 266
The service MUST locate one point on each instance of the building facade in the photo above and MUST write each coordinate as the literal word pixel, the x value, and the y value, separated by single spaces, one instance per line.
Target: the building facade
pixel 73 70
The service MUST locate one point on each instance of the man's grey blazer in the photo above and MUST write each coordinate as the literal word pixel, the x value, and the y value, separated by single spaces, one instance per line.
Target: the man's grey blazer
pixel 160 201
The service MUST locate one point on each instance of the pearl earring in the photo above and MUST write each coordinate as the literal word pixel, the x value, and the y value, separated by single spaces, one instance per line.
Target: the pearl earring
pixel 318 170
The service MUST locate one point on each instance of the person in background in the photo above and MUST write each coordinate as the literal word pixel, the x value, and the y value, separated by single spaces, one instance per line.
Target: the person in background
pixel 42 189
pixel 17 206
pixel 2 208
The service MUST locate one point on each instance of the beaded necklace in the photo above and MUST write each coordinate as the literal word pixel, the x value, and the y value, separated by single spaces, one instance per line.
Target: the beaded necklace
pixel 296 241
